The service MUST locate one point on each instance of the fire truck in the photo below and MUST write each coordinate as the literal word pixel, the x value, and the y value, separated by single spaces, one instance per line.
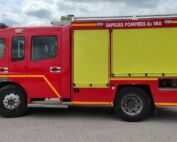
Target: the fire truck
pixel 126 62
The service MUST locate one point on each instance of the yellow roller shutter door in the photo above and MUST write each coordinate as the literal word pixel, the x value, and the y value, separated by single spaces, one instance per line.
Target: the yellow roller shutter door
pixel 141 51
pixel 91 50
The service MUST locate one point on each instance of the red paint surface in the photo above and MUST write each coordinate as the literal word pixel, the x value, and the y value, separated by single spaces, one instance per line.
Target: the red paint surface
pixel 128 24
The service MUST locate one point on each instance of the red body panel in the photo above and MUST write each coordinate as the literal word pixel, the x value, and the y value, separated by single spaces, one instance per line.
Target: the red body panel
pixel 127 24
pixel 91 95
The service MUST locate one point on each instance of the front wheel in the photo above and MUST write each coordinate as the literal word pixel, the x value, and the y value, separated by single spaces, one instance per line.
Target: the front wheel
pixel 13 101
pixel 132 104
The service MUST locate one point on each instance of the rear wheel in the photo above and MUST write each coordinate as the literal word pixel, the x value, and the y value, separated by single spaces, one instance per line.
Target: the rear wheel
pixel 132 104
pixel 13 101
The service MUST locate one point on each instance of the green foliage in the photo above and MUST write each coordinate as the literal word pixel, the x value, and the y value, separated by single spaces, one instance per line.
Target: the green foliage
pixel 64 18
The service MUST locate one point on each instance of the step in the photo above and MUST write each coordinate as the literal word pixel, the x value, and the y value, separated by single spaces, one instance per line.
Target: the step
pixel 48 103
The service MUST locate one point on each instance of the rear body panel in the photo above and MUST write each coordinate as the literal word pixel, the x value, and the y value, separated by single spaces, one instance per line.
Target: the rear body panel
pixel 140 53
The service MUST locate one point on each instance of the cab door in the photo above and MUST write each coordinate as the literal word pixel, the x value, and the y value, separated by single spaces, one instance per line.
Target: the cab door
pixel 44 63
pixel 4 54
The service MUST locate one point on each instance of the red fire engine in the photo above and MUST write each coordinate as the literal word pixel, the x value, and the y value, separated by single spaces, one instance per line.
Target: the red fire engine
pixel 129 63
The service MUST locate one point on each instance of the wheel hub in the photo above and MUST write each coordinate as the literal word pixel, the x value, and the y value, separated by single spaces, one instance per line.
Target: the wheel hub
pixel 132 104
pixel 11 101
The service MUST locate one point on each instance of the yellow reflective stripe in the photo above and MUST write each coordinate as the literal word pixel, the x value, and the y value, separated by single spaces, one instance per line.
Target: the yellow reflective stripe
pixel 174 22
pixel 90 103
pixel 139 79
pixel 51 86
pixel 35 76
pixel 84 25
pixel 166 104
pixel 23 76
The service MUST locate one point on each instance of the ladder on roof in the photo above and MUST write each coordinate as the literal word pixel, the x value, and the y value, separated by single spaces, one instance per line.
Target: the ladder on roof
pixel 72 18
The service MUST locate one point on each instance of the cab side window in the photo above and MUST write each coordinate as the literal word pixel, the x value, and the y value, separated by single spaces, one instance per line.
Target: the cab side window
pixel 18 48
pixel 44 47
pixel 2 47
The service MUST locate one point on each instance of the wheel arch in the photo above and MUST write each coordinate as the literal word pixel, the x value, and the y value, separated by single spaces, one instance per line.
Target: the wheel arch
pixel 2 84
pixel 146 88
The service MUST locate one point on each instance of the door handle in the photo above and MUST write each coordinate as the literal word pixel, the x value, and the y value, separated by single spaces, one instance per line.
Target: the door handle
pixel 4 69
pixel 55 69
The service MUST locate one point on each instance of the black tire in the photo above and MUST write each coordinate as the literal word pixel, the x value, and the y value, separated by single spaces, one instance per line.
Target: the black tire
pixel 20 109
pixel 143 109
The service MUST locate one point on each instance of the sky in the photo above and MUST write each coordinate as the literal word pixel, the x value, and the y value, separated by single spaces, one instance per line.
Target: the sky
pixel 42 12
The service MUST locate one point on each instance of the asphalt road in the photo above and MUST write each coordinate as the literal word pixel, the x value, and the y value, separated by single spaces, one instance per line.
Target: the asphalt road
pixel 87 125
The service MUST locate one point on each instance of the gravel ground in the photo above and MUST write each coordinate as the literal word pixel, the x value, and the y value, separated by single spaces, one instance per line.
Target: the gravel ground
pixel 87 125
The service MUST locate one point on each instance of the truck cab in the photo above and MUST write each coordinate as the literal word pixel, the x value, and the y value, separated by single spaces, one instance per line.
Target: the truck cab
pixel 36 61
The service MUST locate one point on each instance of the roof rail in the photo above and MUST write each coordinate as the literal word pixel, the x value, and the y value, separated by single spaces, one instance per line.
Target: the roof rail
pixel 122 17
